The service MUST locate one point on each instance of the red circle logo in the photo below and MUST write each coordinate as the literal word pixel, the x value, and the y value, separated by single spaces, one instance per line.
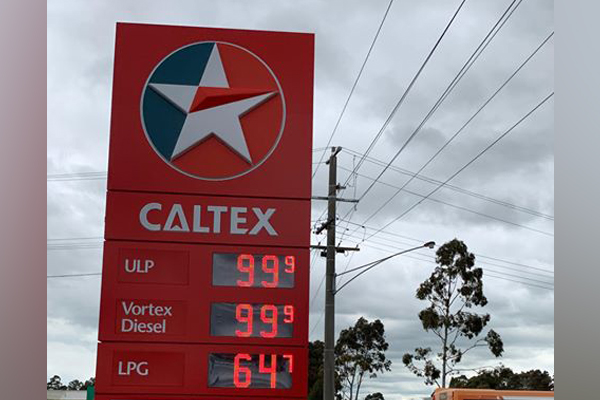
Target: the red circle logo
pixel 213 110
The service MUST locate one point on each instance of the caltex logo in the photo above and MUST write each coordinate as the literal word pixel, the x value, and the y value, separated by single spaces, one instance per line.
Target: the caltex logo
pixel 213 110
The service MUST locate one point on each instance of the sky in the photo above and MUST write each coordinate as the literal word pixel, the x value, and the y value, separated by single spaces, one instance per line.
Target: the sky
pixel 501 205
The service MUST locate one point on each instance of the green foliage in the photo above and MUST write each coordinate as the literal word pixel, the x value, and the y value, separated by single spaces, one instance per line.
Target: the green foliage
pixel 75 385
pixel 454 287
pixel 89 382
pixel 315 371
pixel 374 396
pixel 55 384
pixel 360 351
pixel 503 378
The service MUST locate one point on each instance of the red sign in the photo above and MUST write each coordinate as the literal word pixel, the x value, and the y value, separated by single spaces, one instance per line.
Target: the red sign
pixel 206 260
pixel 150 293
pixel 201 369
pixel 201 219
pixel 211 111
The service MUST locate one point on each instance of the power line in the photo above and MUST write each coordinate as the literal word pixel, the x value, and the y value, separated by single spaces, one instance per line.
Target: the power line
pixel 312 300
pixel 409 87
pixel 522 283
pixel 346 266
pixel 476 254
pixel 75 174
pixel 79 238
pixel 474 56
pixel 455 134
pixel 74 246
pixel 513 263
pixel 73 275
pixel 457 188
pixel 483 263
pixel 485 274
pixel 317 323
pixel 353 86
pixel 501 275
pixel 470 162
pixel 97 175
pixel 447 204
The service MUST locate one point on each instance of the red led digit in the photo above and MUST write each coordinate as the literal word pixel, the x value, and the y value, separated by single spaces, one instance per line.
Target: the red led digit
pixel 290 358
pixel 262 368
pixel 272 319
pixel 238 369
pixel 246 319
pixel 289 314
pixel 290 261
pixel 249 269
pixel 273 269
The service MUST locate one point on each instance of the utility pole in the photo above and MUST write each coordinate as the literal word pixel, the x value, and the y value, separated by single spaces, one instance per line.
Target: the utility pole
pixel 330 251
pixel 330 277
pixel 329 356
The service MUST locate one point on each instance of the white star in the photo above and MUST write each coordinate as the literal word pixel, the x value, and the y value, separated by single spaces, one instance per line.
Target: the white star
pixel 222 120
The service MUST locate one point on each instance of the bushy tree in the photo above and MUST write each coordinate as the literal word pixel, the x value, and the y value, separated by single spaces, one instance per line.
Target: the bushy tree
pixel 75 385
pixel 452 290
pixel 55 384
pixel 315 370
pixel 360 350
pixel 88 383
pixel 374 396
pixel 503 378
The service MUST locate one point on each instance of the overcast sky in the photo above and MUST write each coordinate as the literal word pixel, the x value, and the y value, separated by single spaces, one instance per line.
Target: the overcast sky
pixel 518 170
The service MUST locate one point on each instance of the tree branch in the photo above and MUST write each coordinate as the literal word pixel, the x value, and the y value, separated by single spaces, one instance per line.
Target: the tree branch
pixel 477 344
pixel 455 336
pixel 360 378
pixel 437 334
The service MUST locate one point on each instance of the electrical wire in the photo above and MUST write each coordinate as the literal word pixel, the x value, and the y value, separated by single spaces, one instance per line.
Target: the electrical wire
pixel 317 323
pixel 79 238
pixel 445 203
pixel 354 86
pixel 474 56
pixel 470 162
pixel 501 274
pixel 409 87
pixel 97 175
pixel 417 240
pixel 453 136
pixel 484 265
pixel 73 275
pixel 457 188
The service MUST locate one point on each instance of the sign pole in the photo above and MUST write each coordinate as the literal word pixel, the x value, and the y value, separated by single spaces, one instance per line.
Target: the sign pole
pixel 329 357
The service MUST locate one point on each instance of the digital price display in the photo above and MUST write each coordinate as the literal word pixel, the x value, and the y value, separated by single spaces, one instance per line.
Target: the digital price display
pixel 252 270
pixel 252 320
pixel 242 370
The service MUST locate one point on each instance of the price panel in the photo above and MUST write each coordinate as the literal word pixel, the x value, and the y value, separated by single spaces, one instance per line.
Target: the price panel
pixel 204 369
pixel 244 370
pixel 157 292
pixel 252 320
pixel 268 271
